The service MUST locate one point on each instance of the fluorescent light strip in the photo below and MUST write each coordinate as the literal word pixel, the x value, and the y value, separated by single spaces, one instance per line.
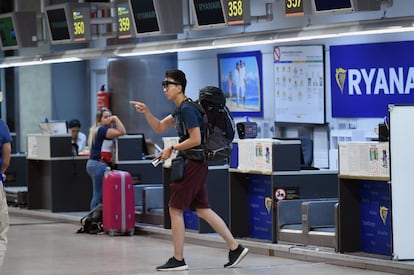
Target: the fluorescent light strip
pixel 19 64
pixel 230 43
pixel 38 62
pixel 176 46
pixel 61 60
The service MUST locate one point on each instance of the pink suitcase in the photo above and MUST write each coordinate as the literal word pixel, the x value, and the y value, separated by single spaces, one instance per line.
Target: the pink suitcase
pixel 118 203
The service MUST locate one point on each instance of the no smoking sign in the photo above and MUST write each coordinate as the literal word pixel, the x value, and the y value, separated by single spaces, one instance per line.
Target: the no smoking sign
pixel 280 194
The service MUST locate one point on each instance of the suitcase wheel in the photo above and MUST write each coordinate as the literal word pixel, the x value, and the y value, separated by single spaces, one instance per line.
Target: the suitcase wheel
pixel 112 233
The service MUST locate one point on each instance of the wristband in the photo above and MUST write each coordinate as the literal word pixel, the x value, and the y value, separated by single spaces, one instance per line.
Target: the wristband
pixel 172 147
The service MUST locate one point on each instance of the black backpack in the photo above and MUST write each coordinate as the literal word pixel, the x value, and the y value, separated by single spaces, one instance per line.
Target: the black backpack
pixel 92 222
pixel 219 126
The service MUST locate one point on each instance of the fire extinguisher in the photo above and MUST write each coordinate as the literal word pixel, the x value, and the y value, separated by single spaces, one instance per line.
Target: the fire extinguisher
pixel 102 98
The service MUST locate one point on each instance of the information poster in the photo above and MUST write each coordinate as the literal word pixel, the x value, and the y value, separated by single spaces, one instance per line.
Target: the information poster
pixel 299 84
pixel 255 155
pixel 364 159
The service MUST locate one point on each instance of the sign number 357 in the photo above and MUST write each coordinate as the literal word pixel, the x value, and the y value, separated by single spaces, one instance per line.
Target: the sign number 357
pixel 293 3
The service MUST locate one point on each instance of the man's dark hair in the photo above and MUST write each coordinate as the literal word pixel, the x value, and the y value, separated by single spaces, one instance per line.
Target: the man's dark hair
pixel 178 76
pixel 74 123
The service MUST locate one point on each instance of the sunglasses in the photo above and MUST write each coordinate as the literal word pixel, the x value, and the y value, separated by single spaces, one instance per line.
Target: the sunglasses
pixel 165 83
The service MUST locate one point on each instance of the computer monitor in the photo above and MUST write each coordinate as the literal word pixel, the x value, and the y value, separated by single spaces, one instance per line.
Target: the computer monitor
pixel 56 127
pixel 306 152
pixel 131 147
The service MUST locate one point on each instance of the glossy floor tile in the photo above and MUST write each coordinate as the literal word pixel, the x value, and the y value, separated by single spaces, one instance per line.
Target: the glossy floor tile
pixel 47 247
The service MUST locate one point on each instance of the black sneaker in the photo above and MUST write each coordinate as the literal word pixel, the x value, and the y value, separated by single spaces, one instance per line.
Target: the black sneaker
pixel 173 264
pixel 235 256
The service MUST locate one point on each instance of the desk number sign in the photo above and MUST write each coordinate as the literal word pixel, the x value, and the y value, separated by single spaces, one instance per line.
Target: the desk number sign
pixel 80 21
pixel 294 7
pixel 237 12
pixel 124 21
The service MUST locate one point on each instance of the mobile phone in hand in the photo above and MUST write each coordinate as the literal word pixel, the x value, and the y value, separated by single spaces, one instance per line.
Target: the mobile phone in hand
pixel 156 161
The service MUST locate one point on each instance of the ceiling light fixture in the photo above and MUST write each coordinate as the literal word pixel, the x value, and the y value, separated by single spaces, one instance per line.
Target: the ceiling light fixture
pixel 21 61
pixel 308 33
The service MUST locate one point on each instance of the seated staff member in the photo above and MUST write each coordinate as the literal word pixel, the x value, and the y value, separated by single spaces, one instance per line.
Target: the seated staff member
pixel 100 141
pixel 78 138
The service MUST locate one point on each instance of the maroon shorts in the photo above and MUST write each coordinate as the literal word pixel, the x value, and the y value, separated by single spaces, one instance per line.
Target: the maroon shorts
pixel 191 192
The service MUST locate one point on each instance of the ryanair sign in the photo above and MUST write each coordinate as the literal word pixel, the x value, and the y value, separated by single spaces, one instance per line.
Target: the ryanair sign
pixel 366 78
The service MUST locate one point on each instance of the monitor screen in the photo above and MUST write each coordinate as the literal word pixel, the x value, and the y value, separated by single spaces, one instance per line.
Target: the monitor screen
pixel 145 16
pixel 131 147
pixel 8 33
pixel 58 24
pixel 333 6
pixel 58 127
pixel 209 12
pixel 18 30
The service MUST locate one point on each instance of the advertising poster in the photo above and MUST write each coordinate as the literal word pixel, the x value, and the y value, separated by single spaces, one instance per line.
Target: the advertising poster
pixel 365 78
pixel 240 78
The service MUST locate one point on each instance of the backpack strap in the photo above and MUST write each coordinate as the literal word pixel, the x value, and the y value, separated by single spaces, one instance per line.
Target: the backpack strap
pixel 196 153
pixel 203 115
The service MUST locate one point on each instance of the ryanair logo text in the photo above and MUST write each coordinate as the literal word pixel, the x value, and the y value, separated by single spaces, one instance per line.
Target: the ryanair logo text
pixel 375 81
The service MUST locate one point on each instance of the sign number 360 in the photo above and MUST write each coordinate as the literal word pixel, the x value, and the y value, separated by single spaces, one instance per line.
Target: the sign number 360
pixel 79 28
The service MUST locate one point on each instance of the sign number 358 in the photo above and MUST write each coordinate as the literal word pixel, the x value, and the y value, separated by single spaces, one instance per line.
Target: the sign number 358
pixel 235 8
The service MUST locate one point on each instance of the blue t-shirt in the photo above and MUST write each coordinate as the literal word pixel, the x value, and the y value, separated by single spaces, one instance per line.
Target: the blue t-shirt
pixel 189 117
pixel 96 149
pixel 4 138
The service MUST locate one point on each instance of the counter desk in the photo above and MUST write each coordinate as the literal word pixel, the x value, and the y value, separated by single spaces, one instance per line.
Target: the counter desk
pixel 59 184
pixel 254 195
pixel 142 171
pixel 16 174
pixel 218 193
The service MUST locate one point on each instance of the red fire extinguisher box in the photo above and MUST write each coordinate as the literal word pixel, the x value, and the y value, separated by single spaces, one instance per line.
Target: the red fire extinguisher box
pixel 102 98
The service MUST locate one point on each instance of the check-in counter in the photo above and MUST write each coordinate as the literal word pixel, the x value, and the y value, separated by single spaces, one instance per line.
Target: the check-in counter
pixel 365 198
pixel 16 174
pixel 218 190
pixel 264 171
pixel 254 195
pixel 57 181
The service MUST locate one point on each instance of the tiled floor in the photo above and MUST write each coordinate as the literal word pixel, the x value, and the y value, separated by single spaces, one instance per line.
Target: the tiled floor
pixel 49 246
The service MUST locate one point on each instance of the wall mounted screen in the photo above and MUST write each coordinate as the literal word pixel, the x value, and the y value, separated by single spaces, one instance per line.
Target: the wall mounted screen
pixel 332 6
pixel 18 30
pixel 209 13
pixel 8 33
pixel 145 16
pixel 58 25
